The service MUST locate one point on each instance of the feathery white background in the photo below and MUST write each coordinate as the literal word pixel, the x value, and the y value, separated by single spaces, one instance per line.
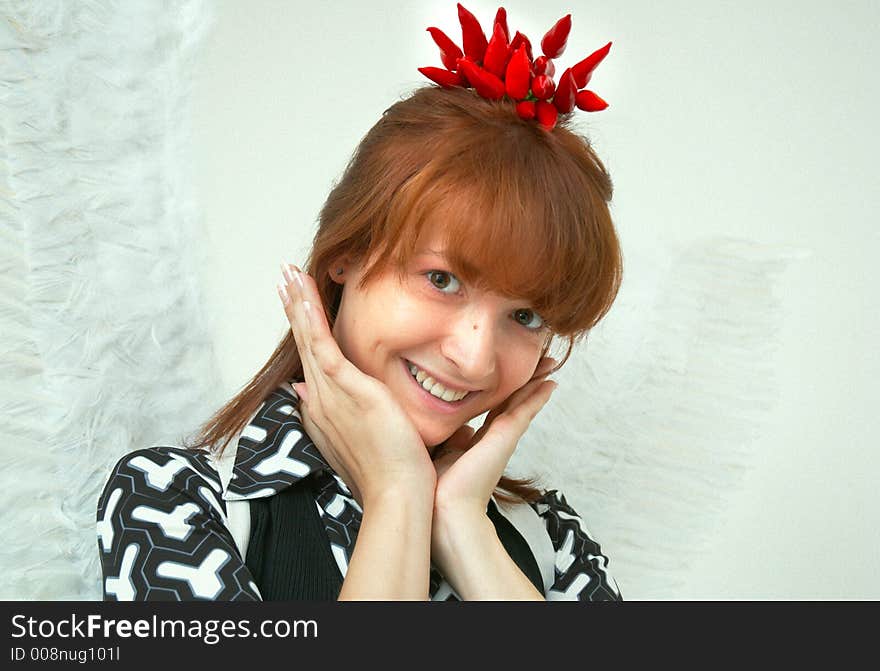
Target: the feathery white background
pixel 717 431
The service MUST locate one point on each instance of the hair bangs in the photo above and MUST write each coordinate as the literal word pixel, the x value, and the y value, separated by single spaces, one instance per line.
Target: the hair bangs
pixel 503 230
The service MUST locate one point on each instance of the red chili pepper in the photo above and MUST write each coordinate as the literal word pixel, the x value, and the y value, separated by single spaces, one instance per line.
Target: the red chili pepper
pixel 518 39
pixel 565 93
pixel 546 113
pixel 472 36
pixel 526 109
pixel 487 85
pixel 583 71
pixel 443 77
pixel 497 53
pixel 590 102
pixel 501 18
pixel 543 87
pixel 462 73
pixel 449 51
pixel 518 75
pixel 544 66
pixel 553 42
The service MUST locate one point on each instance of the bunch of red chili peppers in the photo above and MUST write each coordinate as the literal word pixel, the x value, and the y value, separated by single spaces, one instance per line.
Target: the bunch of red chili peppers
pixel 500 66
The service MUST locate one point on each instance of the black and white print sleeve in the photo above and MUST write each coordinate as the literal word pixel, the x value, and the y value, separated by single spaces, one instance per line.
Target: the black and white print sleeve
pixel 163 534
pixel 581 570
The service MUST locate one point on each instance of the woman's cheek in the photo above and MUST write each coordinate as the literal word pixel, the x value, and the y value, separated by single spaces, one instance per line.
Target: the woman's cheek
pixel 525 357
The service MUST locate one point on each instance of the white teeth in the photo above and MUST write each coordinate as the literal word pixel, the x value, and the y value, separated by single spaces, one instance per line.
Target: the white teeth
pixel 435 388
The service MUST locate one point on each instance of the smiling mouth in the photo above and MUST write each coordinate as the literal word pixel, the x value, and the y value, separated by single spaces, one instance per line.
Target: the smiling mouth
pixel 433 387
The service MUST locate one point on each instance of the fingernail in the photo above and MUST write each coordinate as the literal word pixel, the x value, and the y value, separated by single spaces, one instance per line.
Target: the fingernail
pixel 547 366
pixel 283 293
pixel 298 276
pixel 285 270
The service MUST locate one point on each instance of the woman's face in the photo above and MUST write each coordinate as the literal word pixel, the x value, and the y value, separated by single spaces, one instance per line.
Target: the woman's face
pixel 464 338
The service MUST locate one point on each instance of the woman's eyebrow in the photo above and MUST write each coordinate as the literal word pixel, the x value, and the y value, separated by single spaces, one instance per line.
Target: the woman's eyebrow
pixel 459 266
pixel 432 252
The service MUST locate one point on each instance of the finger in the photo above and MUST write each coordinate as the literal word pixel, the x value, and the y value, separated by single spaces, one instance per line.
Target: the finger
pixel 496 441
pixel 289 299
pixel 545 365
pixel 320 353
pixel 323 347
pixel 542 370
pixel 507 430
pixel 316 382
pixel 298 323
pixel 529 406
pixel 517 396
pixel 522 395
pixel 301 390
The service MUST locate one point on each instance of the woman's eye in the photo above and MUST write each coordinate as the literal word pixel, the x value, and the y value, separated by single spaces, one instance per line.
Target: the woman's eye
pixel 445 282
pixel 529 318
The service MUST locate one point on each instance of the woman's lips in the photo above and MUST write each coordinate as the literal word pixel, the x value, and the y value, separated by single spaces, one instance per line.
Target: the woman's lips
pixel 436 404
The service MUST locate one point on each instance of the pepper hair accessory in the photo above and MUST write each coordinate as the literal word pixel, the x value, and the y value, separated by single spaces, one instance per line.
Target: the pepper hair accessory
pixel 501 67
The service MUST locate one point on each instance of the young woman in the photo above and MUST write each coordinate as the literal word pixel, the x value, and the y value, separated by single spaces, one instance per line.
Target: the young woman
pixel 463 238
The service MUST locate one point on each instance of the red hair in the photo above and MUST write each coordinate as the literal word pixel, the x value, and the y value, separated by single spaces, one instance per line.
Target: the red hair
pixel 524 212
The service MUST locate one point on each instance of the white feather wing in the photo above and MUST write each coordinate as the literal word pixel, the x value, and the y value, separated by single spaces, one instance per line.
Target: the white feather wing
pixel 104 347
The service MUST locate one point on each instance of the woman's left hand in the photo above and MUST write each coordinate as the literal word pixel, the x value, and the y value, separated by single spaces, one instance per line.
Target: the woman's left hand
pixel 469 465
pixel 464 544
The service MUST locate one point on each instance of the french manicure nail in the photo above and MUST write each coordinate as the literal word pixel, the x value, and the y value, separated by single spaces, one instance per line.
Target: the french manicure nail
pixel 285 269
pixel 283 293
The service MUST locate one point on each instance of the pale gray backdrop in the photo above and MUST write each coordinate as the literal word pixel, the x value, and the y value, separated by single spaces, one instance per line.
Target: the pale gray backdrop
pixel 718 430
pixel 747 119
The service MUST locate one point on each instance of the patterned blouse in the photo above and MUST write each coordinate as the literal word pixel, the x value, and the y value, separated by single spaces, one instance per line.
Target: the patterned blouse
pixel 173 523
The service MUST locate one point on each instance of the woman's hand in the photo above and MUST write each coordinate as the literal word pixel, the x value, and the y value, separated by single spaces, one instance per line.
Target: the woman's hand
pixel 464 544
pixel 469 464
pixel 353 419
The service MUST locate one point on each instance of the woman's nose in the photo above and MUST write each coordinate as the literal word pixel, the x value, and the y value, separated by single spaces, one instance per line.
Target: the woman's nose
pixel 471 345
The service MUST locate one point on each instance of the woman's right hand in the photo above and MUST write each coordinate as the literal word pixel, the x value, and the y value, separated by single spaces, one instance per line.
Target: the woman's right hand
pixel 353 419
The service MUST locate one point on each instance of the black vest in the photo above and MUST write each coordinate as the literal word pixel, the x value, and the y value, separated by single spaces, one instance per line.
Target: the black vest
pixel 289 554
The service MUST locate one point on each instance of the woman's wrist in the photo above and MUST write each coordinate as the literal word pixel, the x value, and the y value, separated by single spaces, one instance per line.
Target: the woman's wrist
pixel 453 531
pixel 391 559
pixel 413 488
pixel 414 494
pixel 469 554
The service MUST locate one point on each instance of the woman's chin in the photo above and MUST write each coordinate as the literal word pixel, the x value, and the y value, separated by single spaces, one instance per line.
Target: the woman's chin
pixel 432 439
pixel 432 436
